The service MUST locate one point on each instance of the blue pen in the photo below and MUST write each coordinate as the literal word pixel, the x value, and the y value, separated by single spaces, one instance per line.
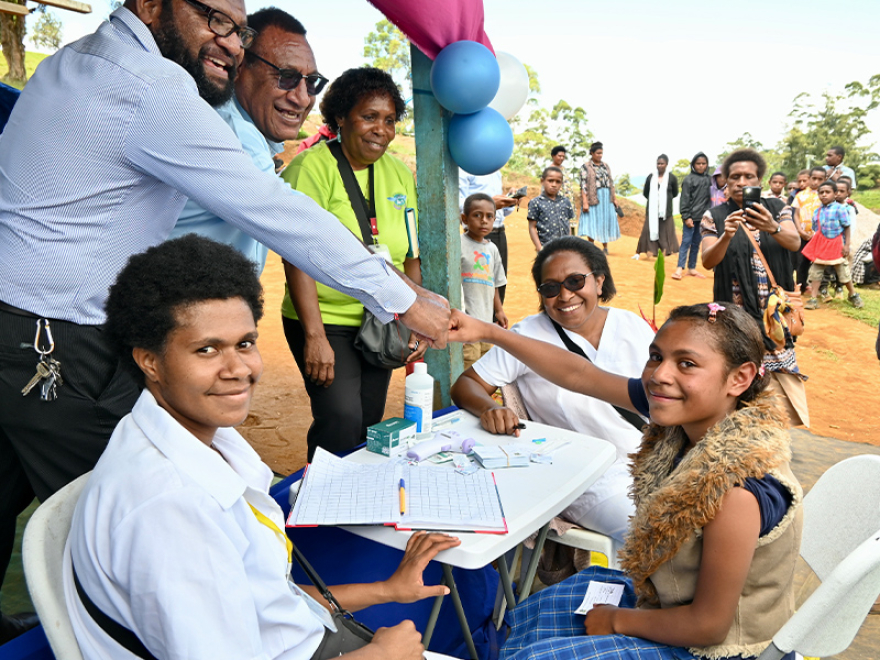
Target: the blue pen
pixel 402 497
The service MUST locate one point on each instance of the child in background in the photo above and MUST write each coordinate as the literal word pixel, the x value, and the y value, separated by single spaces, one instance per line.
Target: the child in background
pixel 805 204
pixel 830 244
pixel 778 181
pixel 844 190
pixel 696 199
pixel 713 580
pixel 481 272
pixel 718 189
pixel 802 183
pixel 791 189
pixel 550 213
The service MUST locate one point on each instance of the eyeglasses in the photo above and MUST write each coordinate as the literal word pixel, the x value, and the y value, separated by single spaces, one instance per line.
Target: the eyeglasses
pixel 574 282
pixel 221 25
pixel 289 79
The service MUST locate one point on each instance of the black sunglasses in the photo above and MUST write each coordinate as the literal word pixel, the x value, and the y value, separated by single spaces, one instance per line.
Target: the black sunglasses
pixel 288 79
pixel 574 282
pixel 221 25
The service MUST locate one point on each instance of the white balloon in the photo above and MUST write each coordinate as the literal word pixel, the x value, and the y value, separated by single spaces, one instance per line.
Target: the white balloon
pixel 513 92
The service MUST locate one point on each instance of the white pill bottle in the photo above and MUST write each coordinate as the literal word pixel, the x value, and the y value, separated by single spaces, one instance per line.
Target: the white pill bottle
pixel 419 397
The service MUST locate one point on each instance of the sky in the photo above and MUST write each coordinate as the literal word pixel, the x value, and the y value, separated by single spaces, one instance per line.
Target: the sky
pixel 672 77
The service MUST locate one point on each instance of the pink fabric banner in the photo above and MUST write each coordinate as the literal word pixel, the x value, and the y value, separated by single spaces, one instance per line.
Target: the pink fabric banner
pixel 434 24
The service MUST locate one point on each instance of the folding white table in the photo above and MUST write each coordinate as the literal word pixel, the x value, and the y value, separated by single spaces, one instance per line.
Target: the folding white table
pixel 531 497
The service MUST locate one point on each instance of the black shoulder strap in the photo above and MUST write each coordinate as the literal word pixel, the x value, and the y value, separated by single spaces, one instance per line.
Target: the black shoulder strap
pixel 119 633
pixel 628 415
pixel 362 210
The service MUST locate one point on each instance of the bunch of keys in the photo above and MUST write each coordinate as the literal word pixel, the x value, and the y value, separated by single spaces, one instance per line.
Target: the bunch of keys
pixel 48 374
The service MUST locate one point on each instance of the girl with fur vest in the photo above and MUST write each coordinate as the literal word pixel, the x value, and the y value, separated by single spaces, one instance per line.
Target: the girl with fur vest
pixel 710 556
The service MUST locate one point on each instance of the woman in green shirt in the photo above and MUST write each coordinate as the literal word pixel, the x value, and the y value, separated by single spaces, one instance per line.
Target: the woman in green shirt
pixel 348 394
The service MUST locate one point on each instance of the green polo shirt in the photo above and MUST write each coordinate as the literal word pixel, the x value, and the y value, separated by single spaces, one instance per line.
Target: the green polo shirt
pixel 315 173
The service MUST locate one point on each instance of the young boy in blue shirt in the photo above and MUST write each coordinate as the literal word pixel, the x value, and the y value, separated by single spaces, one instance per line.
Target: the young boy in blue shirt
pixel 550 213
pixel 830 244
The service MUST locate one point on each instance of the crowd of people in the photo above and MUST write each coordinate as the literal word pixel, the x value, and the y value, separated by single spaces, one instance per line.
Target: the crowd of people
pixel 146 348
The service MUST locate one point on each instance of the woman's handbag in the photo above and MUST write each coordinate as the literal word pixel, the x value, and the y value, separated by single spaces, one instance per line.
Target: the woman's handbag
pixel 384 345
pixel 785 309
pixel 350 634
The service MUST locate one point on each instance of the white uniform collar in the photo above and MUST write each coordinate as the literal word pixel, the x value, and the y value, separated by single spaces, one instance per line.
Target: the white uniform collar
pixel 225 480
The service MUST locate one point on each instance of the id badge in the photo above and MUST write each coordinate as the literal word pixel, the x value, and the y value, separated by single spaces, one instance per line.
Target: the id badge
pixel 321 612
pixel 381 248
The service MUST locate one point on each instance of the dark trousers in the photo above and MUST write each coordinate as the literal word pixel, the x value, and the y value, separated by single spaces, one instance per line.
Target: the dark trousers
pixel 44 445
pixel 499 238
pixel 802 267
pixel 355 400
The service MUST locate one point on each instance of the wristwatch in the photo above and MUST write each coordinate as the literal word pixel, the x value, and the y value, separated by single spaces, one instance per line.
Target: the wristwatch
pixel 778 228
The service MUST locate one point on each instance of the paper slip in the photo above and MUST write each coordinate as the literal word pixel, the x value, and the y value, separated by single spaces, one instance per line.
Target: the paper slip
pixel 600 593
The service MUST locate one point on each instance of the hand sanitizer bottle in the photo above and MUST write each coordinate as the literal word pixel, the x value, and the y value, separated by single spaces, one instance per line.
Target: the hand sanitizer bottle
pixel 419 397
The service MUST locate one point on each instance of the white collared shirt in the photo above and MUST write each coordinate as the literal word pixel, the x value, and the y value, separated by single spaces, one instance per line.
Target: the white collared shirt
pixel 623 350
pixel 164 543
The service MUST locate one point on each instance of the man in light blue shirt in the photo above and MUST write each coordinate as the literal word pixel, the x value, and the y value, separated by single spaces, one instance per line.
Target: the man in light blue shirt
pixel 490 184
pixel 835 168
pixel 270 103
pixel 123 116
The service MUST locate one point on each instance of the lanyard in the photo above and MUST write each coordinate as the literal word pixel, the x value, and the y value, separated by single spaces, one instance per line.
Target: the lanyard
pixel 264 520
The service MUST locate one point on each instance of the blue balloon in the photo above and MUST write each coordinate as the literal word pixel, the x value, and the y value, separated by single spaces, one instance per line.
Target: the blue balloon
pixel 465 77
pixel 480 143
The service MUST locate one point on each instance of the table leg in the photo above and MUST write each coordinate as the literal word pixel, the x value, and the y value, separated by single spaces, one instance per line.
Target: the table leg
pixel 432 619
pixel 506 584
pixel 526 586
pixel 459 609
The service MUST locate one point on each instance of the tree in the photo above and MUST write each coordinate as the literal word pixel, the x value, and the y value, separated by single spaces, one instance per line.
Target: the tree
pixel 535 136
pixel 572 133
pixel 744 141
pixel 871 91
pixel 531 146
pixel 624 187
pixel 681 169
pixel 12 33
pixel 388 49
pixel 816 126
pixel 47 30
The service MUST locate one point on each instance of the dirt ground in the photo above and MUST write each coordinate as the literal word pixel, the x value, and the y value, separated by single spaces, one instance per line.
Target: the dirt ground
pixel 836 352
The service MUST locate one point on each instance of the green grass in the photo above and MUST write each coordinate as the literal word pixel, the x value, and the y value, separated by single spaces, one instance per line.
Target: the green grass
pixel 31 60
pixel 14 595
pixel 869 198
pixel 869 314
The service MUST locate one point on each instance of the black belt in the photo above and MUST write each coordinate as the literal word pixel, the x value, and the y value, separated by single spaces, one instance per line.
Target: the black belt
pixel 501 228
pixel 18 312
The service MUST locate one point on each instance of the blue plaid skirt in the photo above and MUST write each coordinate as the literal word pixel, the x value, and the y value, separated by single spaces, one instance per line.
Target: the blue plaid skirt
pixel 545 627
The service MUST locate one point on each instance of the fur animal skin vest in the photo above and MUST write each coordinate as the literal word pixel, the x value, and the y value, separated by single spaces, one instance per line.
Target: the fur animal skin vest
pixel 673 503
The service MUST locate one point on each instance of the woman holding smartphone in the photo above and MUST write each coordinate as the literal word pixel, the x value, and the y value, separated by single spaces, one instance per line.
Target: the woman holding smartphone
pixel 740 275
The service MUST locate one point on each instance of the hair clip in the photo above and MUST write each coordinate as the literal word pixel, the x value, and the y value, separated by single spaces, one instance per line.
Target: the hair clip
pixel 714 308
pixel 761 371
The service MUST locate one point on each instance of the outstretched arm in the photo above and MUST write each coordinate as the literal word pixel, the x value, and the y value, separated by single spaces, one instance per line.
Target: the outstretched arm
pixel 559 366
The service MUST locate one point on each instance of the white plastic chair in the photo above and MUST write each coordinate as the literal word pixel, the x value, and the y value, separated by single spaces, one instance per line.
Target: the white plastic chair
pixel 42 551
pixel 841 543
pixel 576 537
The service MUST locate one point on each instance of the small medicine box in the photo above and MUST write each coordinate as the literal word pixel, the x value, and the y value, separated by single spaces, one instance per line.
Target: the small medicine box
pixel 389 435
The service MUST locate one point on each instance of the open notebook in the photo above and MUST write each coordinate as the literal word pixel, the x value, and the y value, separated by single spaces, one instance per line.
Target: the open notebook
pixel 339 492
